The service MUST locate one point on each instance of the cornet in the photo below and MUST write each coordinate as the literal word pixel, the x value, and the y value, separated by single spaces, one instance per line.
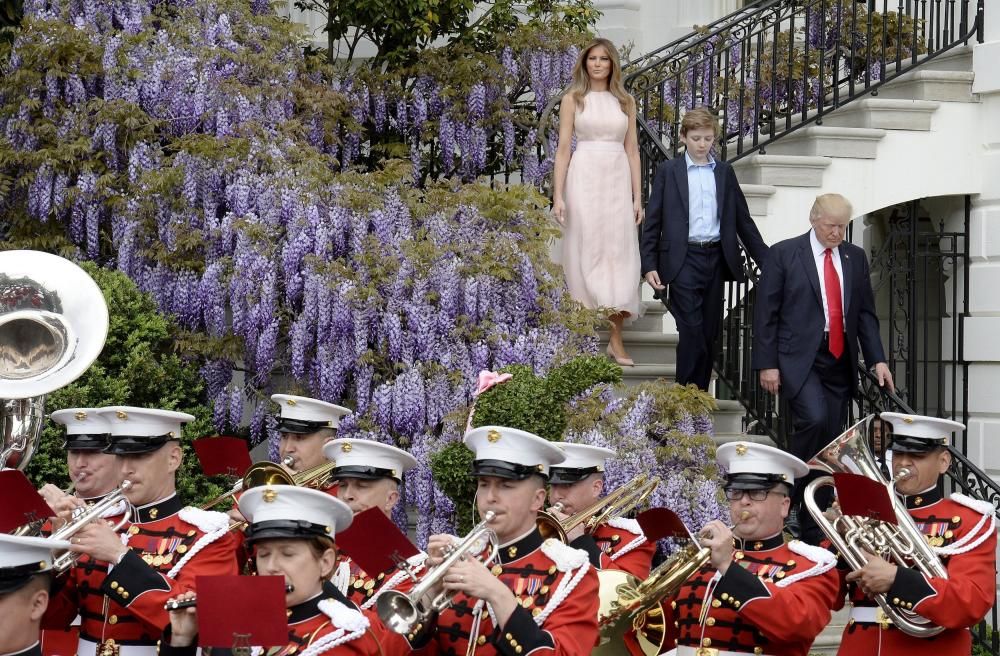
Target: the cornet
pixel 403 612
pixel 83 516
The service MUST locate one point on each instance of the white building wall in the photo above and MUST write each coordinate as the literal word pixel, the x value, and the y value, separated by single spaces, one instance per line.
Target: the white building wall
pixel 982 328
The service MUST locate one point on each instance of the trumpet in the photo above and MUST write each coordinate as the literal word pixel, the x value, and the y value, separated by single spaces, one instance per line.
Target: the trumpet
pixel 191 603
pixel 903 542
pixel 621 501
pixel 405 612
pixel 83 516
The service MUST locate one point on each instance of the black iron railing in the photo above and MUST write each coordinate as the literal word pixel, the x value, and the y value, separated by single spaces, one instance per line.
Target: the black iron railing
pixel 776 67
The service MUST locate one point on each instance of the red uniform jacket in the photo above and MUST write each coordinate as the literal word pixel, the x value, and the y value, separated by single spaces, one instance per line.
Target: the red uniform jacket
pixel 557 590
pixel 169 546
pixel 774 599
pixel 363 589
pixel 327 624
pixel 956 603
pixel 619 544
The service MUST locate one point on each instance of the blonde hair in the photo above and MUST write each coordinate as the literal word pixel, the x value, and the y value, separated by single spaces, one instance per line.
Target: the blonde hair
pixel 580 85
pixel 830 205
pixel 701 118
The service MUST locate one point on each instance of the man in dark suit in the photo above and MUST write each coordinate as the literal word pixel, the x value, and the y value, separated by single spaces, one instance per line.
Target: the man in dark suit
pixel 695 213
pixel 814 307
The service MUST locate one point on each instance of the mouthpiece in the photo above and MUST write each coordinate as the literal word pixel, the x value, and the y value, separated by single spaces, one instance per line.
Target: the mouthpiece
pixel 744 515
pixel 190 603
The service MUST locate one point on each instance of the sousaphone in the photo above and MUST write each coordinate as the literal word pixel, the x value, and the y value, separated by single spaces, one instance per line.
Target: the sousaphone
pixel 53 323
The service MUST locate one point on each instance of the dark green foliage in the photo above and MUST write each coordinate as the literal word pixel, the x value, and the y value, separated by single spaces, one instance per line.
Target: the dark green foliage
pixel 538 405
pixel 452 467
pixel 533 404
pixel 137 367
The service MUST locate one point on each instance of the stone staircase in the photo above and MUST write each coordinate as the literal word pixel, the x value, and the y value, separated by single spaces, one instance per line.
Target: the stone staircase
pixel 851 151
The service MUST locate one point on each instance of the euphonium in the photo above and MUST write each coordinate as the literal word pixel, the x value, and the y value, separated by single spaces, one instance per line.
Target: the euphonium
pixel 402 612
pixel 260 473
pixel 620 502
pixel 53 323
pixel 84 516
pixel 627 602
pixel 902 543
pixel 268 473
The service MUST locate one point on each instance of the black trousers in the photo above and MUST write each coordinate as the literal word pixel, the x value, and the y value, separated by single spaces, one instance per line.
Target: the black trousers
pixel 696 303
pixel 819 412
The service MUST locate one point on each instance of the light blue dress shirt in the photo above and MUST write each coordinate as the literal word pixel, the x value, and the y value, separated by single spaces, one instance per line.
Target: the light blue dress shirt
pixel 703 214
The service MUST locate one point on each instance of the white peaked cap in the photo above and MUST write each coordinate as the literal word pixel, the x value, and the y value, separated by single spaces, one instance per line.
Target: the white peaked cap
pixel 305 409
pixel 149 422
pixel 752 458
pixel 82 421
pixel 526 452
pixel 584 456
pixel 23 557
pixel 283 505
pixel 367 459
pixel 922 427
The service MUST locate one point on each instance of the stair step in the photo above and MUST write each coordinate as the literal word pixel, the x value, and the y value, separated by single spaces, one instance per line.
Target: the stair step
pixel 782 170
pixel 757 197
pixel 725 438
pixel 939 85
pixel 728 418
pixel 648 347
pixel 651 320
pixel 829 141
pixel 642 373
pixel 884 114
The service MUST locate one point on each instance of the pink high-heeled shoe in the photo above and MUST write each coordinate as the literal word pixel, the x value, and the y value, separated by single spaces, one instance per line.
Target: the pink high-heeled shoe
pixel 624 362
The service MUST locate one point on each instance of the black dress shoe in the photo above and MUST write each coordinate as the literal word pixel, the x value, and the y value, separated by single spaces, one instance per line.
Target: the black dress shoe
pixel 792 524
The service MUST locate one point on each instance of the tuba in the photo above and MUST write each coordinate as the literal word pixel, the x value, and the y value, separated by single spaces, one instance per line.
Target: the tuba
pixel 618 503
pixel 409 612
pixel 902 543
pixel 53 323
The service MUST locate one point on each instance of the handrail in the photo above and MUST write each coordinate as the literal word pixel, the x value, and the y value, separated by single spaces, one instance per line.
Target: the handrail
pixel 680 43
pixel 784 64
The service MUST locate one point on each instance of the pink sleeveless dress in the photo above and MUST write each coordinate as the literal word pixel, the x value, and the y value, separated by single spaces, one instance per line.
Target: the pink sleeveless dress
pixel 600 247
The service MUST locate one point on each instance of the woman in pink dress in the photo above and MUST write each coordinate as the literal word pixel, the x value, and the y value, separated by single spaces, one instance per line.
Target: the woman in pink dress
pixel 596 191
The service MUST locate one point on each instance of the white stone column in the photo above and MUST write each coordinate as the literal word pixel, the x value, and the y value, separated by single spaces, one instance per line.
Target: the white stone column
pixel 982 348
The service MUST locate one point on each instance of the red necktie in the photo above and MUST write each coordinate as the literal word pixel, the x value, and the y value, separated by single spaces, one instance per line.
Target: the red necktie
pixel 834 305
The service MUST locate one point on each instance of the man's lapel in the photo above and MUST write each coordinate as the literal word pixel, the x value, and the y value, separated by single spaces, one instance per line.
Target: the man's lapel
pixel 845 266
pixel 680 178
pixel 809 264
pixel 720 190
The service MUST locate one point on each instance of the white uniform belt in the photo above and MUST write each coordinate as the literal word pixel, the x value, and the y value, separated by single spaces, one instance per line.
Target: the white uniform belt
pixel 869 615
pixel 610 146
pixel 90 648
pixel 683 650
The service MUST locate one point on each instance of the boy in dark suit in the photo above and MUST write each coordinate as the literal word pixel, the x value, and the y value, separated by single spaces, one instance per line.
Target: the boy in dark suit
pixel 690 240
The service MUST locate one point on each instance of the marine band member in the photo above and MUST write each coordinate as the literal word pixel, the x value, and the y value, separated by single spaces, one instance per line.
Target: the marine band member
pixel 25 584
pixel 121 582
pixel 305 425
pixel 757 594
pixel 92 471
pixel 541 597
pixel 368 475
pixel 291 533
pixel 577 483
pixel 962 531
